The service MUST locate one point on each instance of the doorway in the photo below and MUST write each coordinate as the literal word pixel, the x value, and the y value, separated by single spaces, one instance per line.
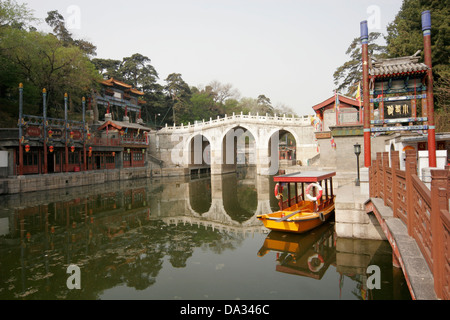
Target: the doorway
pixel 51 162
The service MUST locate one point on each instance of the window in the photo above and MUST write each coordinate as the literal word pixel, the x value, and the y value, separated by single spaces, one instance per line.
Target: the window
pixel 74 158
pixel 137 156
pixel 30 159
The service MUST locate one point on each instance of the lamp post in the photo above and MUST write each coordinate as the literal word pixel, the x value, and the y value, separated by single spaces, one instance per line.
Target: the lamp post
pixel 357 148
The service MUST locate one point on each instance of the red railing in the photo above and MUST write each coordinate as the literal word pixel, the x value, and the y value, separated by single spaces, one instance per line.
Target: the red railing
pixel 425 212
pixel 97 141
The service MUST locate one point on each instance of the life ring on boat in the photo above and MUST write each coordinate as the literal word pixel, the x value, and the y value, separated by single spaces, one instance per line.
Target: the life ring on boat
pixel 278 191
pixel 319 195
pixel 312 261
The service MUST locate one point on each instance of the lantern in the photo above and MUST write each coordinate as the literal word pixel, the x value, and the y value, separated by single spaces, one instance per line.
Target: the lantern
pixel 72 148
pixel 143 151
pixel 90 151
pixel 27 148
pixel 128 150
pixel 89 135
pixel 113 154
pixel 71 134
pixel 122 133
pixel 51 149
pixel 50 133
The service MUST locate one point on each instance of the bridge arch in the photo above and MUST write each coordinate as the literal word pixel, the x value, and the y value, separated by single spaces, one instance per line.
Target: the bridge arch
pixel 238 145
pixel 282 129
pixel 197 150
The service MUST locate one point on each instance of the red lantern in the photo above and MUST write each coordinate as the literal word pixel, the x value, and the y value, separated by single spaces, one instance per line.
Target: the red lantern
pixel 72 148
pixel 90 151
pixel 50 133
pixel 113 154
pixel 89 135
pixel 27 148
pixel 71 134
pixel 51 149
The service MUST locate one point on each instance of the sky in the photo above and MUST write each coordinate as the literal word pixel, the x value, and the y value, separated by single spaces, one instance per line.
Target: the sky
pixel 287 50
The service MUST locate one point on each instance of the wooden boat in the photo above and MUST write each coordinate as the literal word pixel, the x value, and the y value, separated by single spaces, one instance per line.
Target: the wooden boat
pixel 306 209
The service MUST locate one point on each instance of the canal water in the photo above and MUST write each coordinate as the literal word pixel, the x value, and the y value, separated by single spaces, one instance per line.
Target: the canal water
pixel 190 238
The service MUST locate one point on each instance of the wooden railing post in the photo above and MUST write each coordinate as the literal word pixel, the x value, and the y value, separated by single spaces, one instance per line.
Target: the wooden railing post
pixel 385 176
pixel 395 166
pixel 439 202
pixel 380 174
pixel 372 179
pixel 411 168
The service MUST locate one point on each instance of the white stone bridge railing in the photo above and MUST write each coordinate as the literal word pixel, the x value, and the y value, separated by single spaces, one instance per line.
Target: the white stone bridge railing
pixel 246 118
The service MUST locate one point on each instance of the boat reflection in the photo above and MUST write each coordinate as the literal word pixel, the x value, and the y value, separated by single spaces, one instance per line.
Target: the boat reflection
pixel 307 255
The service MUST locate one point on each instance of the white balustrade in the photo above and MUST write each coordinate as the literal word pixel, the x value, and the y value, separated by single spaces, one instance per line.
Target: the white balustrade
pixel 244 118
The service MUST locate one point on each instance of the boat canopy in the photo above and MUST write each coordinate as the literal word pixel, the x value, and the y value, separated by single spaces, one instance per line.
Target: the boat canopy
pixel 307 176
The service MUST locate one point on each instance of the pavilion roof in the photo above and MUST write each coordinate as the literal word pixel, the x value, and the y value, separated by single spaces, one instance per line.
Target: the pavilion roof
pixel 127 88
pixel 398 66
pixel 123 125
pixel 332 100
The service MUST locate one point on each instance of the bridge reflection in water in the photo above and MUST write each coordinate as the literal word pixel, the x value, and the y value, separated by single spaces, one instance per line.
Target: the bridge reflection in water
pixel 177 238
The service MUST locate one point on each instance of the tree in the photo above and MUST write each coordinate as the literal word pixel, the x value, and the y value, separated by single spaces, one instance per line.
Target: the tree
pixel 14 15
pixel 284 109
pixel 138 72
pixel 56 21
pixel 202 106
pixel 45 62
pixel 108 68
pixel 347 76
pixel 179 92
pixel 223 91
pixel 265 104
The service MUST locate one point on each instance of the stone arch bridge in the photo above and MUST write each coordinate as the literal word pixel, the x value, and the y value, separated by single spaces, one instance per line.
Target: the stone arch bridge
pixel 220 145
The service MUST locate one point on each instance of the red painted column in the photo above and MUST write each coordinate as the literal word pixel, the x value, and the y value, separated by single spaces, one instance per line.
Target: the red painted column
pixel 66 149
pixel 366 93
pixel 44 127
pixel 426 28
pixel 20 172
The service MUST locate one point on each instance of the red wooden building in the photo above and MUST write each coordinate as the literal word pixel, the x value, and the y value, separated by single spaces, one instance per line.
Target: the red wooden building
pixel 46 145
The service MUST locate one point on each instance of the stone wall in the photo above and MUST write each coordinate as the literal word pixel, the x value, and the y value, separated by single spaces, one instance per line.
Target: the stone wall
pixel 34 183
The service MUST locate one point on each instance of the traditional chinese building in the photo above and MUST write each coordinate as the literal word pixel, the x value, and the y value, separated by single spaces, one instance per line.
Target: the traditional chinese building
pixel 128 140
pixel 115 93
pixel 44 145
pixel 337 110
pixel 398 93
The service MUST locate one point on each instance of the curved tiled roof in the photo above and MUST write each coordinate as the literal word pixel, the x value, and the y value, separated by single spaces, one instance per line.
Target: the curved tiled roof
pixel 396 66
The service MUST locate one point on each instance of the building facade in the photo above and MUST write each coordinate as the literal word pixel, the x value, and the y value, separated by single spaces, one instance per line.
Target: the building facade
pixel 43 145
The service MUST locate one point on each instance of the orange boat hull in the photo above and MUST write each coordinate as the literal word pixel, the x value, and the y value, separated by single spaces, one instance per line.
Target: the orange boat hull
pixel 301 222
